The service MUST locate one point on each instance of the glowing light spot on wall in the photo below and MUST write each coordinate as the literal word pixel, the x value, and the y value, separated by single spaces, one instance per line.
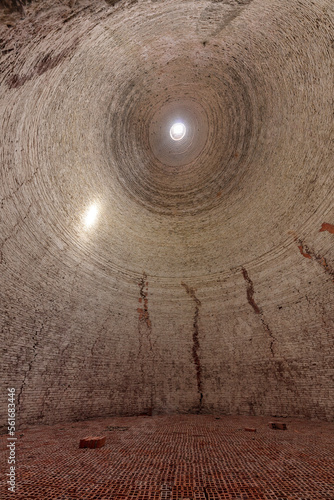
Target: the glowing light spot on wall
pixel 90 216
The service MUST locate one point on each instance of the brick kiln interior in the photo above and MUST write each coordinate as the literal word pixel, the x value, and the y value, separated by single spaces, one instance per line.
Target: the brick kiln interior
pixel 176 281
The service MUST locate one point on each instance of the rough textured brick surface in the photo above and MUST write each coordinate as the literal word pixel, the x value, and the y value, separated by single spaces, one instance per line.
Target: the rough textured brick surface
pixel 206 282
pixel 184 457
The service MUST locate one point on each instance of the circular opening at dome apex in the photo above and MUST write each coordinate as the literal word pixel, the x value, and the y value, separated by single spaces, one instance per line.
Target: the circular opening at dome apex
pixel 178 131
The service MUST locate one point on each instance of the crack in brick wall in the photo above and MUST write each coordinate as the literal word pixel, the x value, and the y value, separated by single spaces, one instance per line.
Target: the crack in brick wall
pixel 145 332
pixel 143 311
pixel 73 109
pixel 30 364
pixel 257 309
pixel 196 345
pixel 308 253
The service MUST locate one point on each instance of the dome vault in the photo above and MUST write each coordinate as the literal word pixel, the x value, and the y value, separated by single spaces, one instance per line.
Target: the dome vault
pixel 145 274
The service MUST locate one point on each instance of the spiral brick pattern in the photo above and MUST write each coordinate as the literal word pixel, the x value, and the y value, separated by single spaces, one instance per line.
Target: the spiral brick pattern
pixel 206 283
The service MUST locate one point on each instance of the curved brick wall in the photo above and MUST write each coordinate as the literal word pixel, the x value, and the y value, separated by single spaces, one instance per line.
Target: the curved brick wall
pixel 206 283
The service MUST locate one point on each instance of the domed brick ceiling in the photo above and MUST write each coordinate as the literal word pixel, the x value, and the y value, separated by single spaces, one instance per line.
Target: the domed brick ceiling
pixel 205 282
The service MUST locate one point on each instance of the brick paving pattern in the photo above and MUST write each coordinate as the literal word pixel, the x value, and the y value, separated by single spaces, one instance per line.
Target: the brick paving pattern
pixel 185 457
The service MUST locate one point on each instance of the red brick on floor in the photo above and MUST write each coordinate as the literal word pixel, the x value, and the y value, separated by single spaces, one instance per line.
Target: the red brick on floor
pixel 278 425
pixel 194 457
pixel 92 442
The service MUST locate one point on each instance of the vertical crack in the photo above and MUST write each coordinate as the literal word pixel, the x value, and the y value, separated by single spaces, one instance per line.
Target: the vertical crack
pixel 144 316
pixel 257 309
pixel 250 292
pixel 196 345
pixel 31 362
pixel 145 328
pixel 143 311
pixel 310 254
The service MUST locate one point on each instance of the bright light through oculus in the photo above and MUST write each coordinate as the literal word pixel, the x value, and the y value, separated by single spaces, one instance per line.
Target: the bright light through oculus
pixel 178 131
pixel 91 215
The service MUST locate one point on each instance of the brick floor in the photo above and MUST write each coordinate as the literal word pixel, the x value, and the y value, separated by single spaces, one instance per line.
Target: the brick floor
pixel 174 458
